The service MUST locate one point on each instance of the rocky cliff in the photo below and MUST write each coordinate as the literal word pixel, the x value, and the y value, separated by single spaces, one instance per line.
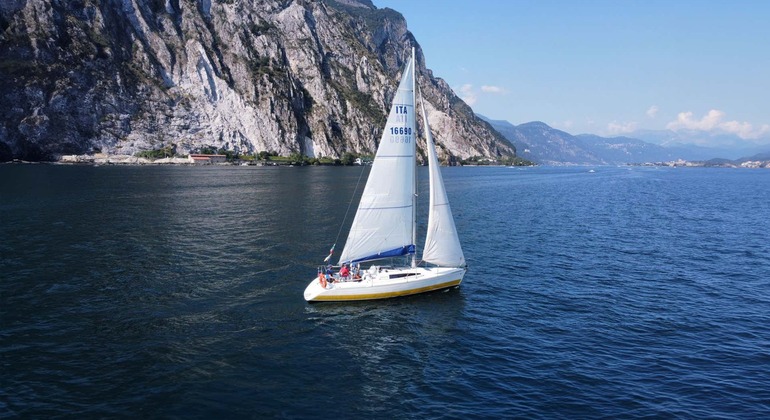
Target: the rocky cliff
pixel 121 76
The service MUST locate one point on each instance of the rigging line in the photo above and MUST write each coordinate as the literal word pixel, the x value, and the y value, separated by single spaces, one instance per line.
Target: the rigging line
pixel 350 203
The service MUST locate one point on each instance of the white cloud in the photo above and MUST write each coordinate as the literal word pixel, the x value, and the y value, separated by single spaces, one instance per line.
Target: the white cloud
pixel 492 89
pixel 653 111
pixel 615 128
pixel 712 121
pixel 468 94
pixel 684 120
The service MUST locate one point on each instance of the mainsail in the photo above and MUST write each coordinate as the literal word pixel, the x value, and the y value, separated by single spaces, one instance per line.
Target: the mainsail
pixel 442 245
pixel 384 221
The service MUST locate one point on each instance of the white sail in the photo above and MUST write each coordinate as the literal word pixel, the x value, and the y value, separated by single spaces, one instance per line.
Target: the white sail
pixel 442 245
pixel 384 221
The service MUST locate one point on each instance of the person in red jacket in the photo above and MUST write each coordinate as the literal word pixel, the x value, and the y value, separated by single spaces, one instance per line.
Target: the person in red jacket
pixel 344 272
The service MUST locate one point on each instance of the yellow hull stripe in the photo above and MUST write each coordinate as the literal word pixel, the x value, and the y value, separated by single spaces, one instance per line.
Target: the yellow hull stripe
pixel 385 295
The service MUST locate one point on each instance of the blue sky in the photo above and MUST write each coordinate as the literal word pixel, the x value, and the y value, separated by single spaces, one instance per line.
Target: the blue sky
pixel 603 67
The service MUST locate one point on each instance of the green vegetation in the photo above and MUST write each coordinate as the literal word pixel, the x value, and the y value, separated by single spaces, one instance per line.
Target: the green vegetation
pixel 261 65
pixel 295 158
pixel 266 155
pixel 165 152
pixel 517 161
pixel 231 155
pixel 292 159
pixel 361 101
pixel 504 161
pixel 348 159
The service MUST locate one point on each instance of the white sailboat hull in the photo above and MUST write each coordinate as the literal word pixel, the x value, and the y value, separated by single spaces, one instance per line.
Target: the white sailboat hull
pixel 386 283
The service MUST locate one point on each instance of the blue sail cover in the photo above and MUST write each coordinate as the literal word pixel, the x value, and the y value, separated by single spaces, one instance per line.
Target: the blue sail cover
pixel 397 252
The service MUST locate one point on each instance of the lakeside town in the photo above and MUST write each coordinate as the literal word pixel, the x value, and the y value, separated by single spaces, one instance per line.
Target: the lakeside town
pixel 714 163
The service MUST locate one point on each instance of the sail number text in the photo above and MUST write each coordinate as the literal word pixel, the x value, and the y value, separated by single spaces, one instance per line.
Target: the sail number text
pixel 401 134
pixel 403 131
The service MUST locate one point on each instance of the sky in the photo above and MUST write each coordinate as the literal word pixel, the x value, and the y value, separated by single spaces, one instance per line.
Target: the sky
pixel 603 67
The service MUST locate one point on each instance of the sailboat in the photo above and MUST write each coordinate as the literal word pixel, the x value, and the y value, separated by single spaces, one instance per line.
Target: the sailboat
pixel 385 225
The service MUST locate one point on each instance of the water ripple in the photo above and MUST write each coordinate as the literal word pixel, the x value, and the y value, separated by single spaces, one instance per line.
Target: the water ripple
pixel 176 292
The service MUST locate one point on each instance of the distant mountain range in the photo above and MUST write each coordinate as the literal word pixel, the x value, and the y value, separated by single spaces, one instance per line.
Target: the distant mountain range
pixel 545 145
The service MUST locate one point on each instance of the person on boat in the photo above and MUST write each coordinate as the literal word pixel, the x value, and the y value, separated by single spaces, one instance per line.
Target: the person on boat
pixel 344 272
pixel 329 273
pixel 356 272
pixel 322 277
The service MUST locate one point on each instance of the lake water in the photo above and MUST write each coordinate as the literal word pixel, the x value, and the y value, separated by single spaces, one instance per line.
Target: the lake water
pixel 177 292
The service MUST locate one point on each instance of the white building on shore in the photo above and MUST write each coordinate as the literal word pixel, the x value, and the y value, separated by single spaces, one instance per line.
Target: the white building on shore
pixel 203 159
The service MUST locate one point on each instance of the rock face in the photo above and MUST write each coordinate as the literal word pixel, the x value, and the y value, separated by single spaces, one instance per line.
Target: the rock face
pixel 290 76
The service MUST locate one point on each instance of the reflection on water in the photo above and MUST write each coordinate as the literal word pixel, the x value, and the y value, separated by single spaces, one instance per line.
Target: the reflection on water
pixel 386 341
pixel 168 291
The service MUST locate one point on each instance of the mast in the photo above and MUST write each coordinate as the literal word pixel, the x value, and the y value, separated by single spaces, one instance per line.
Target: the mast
pixel 414 187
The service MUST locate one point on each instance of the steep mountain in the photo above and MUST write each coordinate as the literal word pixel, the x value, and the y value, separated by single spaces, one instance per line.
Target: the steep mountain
pixel 542 144
pixel 509 131
pixel 554 146
pixel 121 76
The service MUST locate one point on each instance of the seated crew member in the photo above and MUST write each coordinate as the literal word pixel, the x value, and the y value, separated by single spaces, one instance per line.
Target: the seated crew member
pixel 344 272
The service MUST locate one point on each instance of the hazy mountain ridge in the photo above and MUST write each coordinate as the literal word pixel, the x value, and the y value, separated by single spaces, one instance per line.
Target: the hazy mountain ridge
pixel 538 142
pixel 729 145
pixel 543 144
pixel 313 77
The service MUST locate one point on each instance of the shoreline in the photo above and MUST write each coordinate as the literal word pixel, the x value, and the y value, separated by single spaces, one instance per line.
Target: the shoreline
pixel 128 160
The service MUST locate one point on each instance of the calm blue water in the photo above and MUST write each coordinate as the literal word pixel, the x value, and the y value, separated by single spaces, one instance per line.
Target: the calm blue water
pixel 177 292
